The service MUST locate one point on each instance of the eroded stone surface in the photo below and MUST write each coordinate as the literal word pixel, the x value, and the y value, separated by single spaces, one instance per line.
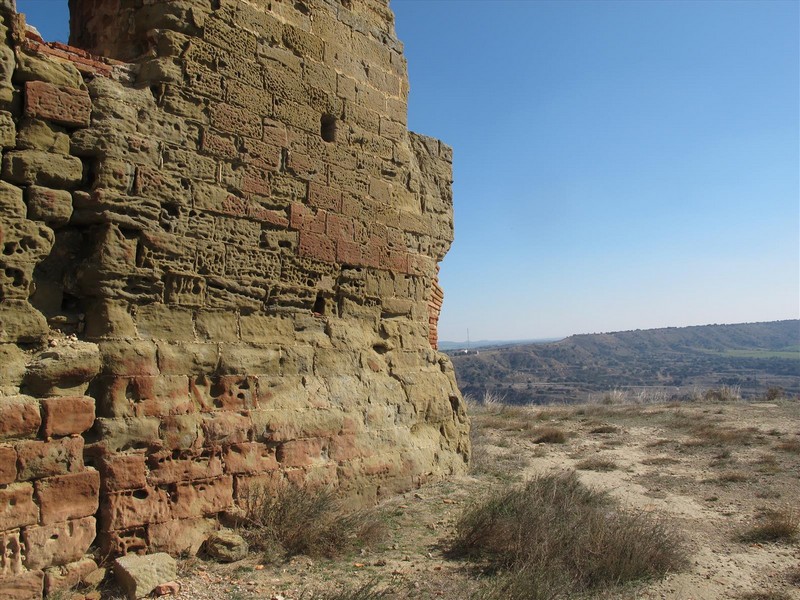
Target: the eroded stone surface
pixel 218 270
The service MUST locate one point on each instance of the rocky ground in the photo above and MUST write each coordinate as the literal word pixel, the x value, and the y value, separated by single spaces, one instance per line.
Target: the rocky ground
pixel 710 470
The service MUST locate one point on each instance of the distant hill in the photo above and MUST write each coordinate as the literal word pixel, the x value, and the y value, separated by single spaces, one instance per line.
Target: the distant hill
pixel 752 356
pixel 445 345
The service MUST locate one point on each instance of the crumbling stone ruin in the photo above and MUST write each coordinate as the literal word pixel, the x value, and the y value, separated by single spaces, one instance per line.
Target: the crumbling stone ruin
pixel 218 259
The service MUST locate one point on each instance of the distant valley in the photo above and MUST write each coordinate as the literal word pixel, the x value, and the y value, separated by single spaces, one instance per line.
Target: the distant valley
pixel 674 362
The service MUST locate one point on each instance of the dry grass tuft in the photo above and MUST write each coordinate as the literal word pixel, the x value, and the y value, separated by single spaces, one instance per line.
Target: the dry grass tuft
pixel 287 520
pixel 596 464
pixel 709 434
pixel 660 460
pixel 766 595
pixel 549 435
pixel 555 536
pixel 732 477
pixel 773 526
pixel 792 446
pixel 605 429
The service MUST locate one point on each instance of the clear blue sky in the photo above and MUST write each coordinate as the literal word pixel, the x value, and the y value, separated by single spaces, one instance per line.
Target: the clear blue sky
pixel 618 165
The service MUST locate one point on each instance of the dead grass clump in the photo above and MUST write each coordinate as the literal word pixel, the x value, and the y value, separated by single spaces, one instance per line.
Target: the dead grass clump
pixel 773 526
pixel 658 443
pixel 726 393
pixel 549 435
pixel 766 595
pixel 366 591
pixel 555 536
pixel 604 429
pixel 596 464
pixel 792 446
pixel 288 520
pixel 733 477
pixel 709 434
pixel 660 460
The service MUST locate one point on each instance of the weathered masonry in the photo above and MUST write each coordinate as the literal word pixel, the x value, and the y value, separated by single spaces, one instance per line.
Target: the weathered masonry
pixel 218 258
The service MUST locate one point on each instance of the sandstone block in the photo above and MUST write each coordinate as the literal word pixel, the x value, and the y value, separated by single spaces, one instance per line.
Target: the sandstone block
pixel 202 498
pixel 139 575
pixel 19 321
pixel 32 167
pixel 64 105
pixel 224 428
pixel 54 207
pixel 32 67
pixel 182 432
pixel 35 134
pixel 129 357
pixel 36 459
pixel 124 434
pixel 58 544
pixel 122 472
pixel 28 585
pixel 11 554
pixel 8 464
pixel 217 326
pixel 14 362
pixel 68 496
pixel 19 417
pixel 67 415
pixel 11 204
pixel 165 469
pixel 250 457
pixel 17 508
pixel 180 536
pixel 8 130
pixel 65 577
pixel 124 510
pixel 226 546
pixel 161 322
pixel 67 367
pixel 300 453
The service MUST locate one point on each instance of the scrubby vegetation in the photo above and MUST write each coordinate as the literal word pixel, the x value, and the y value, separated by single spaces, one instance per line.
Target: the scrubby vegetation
pixel 555 537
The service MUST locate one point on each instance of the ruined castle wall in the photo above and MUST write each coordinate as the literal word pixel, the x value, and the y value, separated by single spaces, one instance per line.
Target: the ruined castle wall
pixel 219 256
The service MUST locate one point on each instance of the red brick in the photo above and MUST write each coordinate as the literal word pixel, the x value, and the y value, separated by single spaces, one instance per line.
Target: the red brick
pixel 250 457
pixel 68 496
pixel 348 253
pixel 67 415
pixel 122 472
pixel 36 459
pixel 8 464
pixel 17 507
pixel 300 453
pixel 63 105
pixel 58 544
pixel 322 196
pixel 19 417
pixel 317 246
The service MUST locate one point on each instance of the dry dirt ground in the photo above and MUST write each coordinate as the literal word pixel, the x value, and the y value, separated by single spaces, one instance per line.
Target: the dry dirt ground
pixel 711 470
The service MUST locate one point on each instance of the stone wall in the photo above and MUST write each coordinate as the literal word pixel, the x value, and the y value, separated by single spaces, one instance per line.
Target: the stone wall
pixel 218 258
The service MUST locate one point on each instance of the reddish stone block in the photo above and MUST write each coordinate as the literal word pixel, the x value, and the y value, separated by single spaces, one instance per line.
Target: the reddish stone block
pixel 419 264
pixel 275 133
pixel 164 469
pixel 67 415
pixel 300 453
pixel 372 252
pixel 68 496
pixel 259 154
pixel 301 165
pixel 322 196
pixel 57 544
pixel 36 459
pixel 346 447
pixel 303 218
pixel 339 227
pixel 348 253
pixel 23 586
pixel 19 417
pixel 233 119
pixel 8 464
pixel 224 428
pixel 219 145
pixel 63 105
pixel 317 246
pixel 125 510
pixel 201 498
pixel 256 182
pixel 395 261
pixel 17 508
pixel 122 472
pixel 250 457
